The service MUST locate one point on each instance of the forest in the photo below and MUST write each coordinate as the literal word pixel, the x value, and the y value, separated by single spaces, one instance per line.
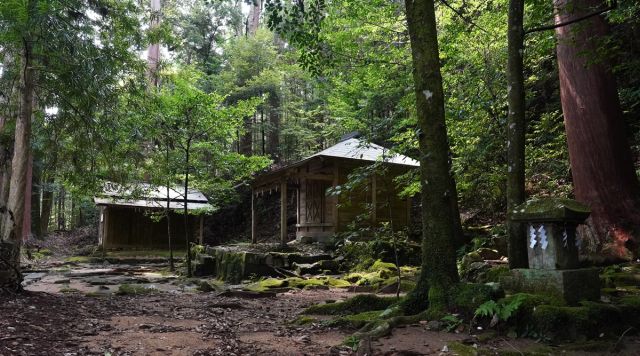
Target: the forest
pixel 232 177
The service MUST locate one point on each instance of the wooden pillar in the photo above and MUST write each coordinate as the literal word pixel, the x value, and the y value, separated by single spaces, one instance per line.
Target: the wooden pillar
pixel 254 235
pixel 283 212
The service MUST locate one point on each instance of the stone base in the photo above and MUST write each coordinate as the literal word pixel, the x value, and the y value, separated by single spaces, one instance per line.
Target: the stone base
pixel 573 285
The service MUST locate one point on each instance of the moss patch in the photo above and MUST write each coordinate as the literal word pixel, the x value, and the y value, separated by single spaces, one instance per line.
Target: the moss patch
pixel 355 321
pixel 358 304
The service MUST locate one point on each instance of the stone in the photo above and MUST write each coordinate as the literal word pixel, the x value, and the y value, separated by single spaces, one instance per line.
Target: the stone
pixel 572 285
pixel 551 210
pixel 317 267
pixel 434 325
pixel 488 254
pixel 305 239
pixel 206 266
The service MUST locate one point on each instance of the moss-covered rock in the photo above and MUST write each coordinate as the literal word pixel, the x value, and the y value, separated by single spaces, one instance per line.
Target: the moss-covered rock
pixel 384 269
pixel 358 304
pixel 465 298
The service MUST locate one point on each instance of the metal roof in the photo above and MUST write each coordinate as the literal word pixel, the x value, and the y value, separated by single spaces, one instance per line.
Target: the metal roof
pixel 144 195
pixel 354 148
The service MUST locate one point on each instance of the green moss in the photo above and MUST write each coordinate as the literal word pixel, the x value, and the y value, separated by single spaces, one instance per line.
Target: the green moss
pixel 230 265
pixel 336 283
pixel 358 304
pixel 135 289
pixel 495 273
pixel 383 269
pixel 465 298
pixel 551 208
pixel 462 349
pixel 356 320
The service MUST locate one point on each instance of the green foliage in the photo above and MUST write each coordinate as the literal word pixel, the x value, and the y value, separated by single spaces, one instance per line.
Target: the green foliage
pixel 451 322
pixel 501 310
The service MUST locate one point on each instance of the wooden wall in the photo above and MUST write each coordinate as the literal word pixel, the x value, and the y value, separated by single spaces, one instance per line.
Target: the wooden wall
pixel 320 215
pixel 127 227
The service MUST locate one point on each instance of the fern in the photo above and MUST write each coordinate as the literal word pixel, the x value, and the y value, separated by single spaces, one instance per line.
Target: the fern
pixel 499 311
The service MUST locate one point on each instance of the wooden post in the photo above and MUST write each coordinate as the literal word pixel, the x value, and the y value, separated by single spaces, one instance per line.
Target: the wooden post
pixel 283 212
pixel 254 236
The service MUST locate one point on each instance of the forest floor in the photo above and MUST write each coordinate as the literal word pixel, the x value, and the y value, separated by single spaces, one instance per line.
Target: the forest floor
pixel 81 309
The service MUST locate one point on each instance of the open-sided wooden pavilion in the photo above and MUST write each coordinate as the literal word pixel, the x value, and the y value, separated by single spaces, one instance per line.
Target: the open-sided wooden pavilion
pixel 319 215
pixel 126 216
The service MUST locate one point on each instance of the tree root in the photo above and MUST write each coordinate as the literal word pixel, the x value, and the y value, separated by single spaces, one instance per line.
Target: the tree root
pixel 382 327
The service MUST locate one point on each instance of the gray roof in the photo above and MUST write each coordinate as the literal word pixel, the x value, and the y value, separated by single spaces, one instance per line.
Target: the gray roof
pixel 144 195
pixel 354 148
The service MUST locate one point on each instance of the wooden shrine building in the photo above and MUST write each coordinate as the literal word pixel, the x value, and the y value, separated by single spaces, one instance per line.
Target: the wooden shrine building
pixel 321 215
pixel 127 221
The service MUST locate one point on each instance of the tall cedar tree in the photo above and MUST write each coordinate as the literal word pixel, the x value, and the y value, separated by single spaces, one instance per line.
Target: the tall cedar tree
pixel 439 202
pixel 515 132
pixel 600 155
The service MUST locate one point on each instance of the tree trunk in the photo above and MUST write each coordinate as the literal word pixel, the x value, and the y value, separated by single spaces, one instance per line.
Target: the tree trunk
pixel 153 54
pixel 10 277
pixel 600 155
pixel 168 212
pixel 516 133
pixel 246 140
pixel 36 188
pixel 439 271
pixel 253 21
pixel 186 210
pixel 273 143
pixel 26 222
pixel 47 201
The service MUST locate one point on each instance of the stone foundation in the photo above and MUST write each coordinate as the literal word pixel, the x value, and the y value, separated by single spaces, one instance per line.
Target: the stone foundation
pixel 233 264
pixel 10 276
pixel 572 285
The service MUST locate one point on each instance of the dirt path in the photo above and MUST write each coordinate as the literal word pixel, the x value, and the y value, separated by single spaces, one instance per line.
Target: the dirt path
pixel 54 319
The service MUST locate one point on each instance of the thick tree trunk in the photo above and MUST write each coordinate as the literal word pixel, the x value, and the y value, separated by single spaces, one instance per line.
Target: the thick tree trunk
pixel 10 277
pixel 515 133
pixel 253 21
pixel 439 271
pixel 600 155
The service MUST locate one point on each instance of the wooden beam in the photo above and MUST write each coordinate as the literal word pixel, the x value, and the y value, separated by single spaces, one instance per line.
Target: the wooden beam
pixel 254 235
pixel 283 212
pixel 313 176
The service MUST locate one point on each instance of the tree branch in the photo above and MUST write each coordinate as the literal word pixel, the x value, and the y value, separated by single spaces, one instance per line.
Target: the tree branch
pixel 613 5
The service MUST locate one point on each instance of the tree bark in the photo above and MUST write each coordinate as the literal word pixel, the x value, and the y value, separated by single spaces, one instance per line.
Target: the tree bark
pixel 439 271
pixel 600 155
pixel 253 21
pixel 153 54
pixel 516 133
pixel 10 277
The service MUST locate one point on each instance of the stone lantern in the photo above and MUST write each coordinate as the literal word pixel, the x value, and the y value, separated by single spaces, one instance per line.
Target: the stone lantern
pixel 552 249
